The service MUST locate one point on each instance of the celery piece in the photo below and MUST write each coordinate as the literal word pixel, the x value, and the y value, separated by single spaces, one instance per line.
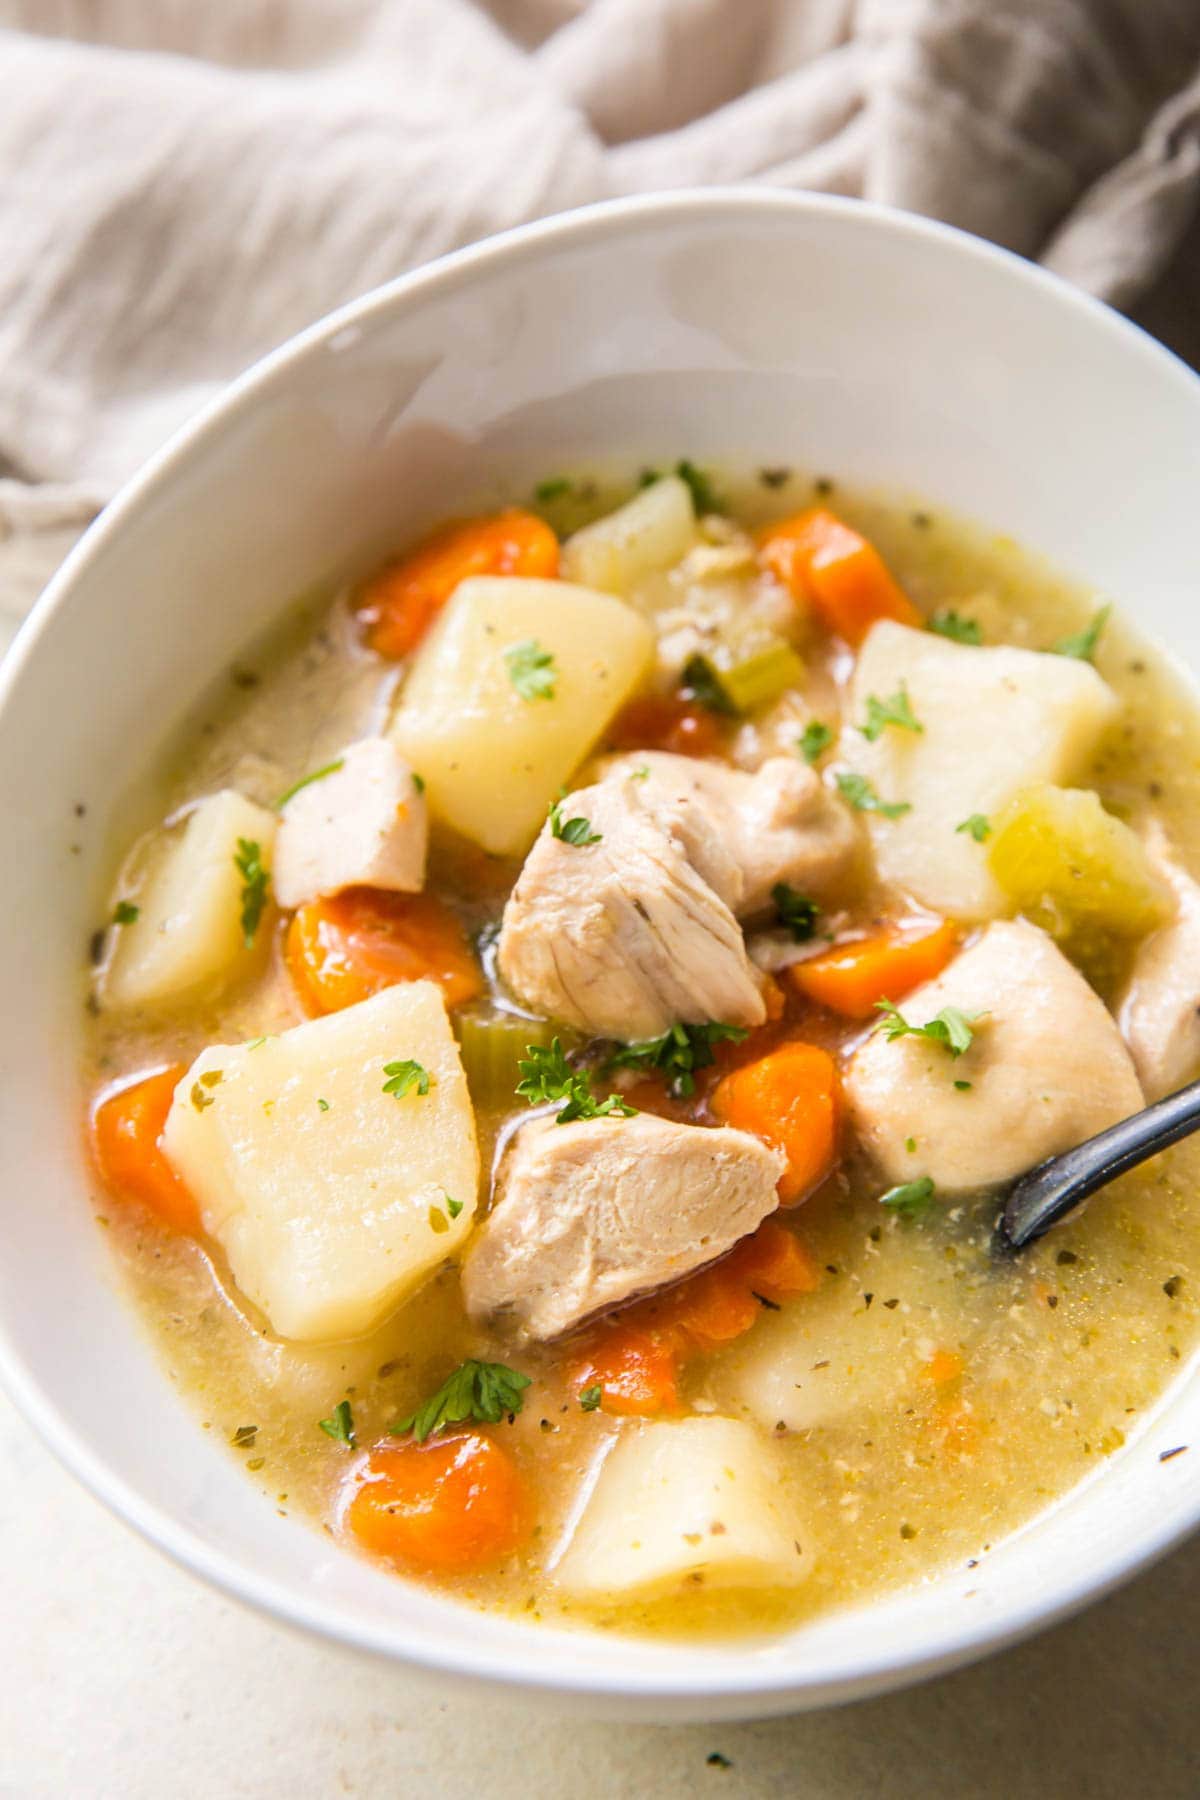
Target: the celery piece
pixel 752 679
pixel 492 1044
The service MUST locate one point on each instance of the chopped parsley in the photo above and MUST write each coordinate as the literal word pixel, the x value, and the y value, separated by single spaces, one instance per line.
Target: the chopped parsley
pixel 249 864
pixel 124 913
pixel 677 1054
pixel 895 710
pixel 911 1198
pixel 476 1390
pixel 862 796
pixel 963 1086
pixel 453 1206
pixel 1082 644
pixel 950 624
pixel 571 831
pixel 703 498
pixel 978 826
pixel 546 1075
pixel 211 1078
pixel 814 740
pixel 590 1397
pixel 531 670
pixel 418 782
pixel 553 489
pixel 951 1027
pixel 403 1077
pixel 700 684
pixel 795 910
pixel 307 781
pixel 322 1105
pixel 244 1436
pixel 341 1425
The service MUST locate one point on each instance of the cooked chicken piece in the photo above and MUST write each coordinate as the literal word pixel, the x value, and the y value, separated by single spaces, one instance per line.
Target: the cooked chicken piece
pixel 592 1213
pixel 1159 1013
pixel 778 824
pixel 1046 1069
pixel 365 822
pixel 631 934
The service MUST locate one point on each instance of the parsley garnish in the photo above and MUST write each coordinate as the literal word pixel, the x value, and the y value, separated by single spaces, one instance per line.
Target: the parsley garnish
pixel 322 1105
pixel 554 489
pixel 249 864
pixel 244 1436
pixel 341 1425
pixel 795 910
pixel 911 1198
pixel 404 1076
pixel 124 913
pixel 1082 644
pixel 703 498
pixel 571 831
pixel 962 1086
pixel 453 1206
pixel 476 1390
pixel 590 1397
pixel 895 710
pixel 701 684
pixel 546 1075
pixel 418 782
pixel 678 1053
pixel 949 624
pixel 307 781
pixel 951 1027
pixel 977 826
pixel 531 670
pixel 862 796
pixel 814 741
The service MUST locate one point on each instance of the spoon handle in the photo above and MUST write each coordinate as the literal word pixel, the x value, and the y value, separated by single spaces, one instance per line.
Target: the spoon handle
pixel 1042 1197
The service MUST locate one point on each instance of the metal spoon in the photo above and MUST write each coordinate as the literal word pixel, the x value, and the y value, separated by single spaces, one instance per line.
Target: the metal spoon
pixel 1046 1194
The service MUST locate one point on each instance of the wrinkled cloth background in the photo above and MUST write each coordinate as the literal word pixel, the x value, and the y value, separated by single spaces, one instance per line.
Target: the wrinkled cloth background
pixel 184 183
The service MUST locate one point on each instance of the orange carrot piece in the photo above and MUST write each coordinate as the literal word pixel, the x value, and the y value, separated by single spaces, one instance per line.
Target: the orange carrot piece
pixel 853 977
pixel 344 949
pixel 666 722
pixel 637 1371
pixel 943 1367
pixel 790 1099
pixel 126 1128
pixel 822 560
pixel 397 606
pixel 451 1503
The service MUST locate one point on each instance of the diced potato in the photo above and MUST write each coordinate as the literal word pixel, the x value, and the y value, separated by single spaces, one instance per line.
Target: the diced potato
pixel 993 721
pixel 328 1195
pixel 650 532
pixel 682 1497
pixel 492 758
pixel 188 892
pixel 364 822
pixel 1073 868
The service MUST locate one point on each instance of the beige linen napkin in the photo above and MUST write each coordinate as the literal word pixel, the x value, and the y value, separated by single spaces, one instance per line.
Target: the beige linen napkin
pixel 183 183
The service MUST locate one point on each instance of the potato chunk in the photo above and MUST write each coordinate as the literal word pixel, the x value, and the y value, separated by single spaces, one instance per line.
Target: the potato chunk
pixel 365 822
pixel 683 1497
pixel 649 533
pixel 993 721
pixel 188 892
pixel 328 1195
pixel 493 757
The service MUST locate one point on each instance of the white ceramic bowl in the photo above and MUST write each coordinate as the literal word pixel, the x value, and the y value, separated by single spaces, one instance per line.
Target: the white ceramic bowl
pixel 731 324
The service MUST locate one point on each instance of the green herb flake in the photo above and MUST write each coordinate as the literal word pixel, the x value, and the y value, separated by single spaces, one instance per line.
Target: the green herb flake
pixel 453 1206
pixel 553 489
pixel 571 831
pixel 476 1390
pixel 703 498
pixel 531 670
pixel 911 1198
pixel 952 625
pixel 862 796
pixel 547 1076
pixel 715 1760
pixel 951 1027
pixel 322 1105
pixel 330 768
pixel 198 1097
pixel 796 911
pixel 125 914
pixel 677 1054
pixel 978 826
pixel 896 710
pixel 249 865
pixel 700 684
pixel 910 1144
pixel 256 1043
pixel 814 740
pixel 341 1426
pixel 1082 644
pixel 403 1077
pixel 418 782
pixel 244 1436
pixel 964 1086
pixel 590 1397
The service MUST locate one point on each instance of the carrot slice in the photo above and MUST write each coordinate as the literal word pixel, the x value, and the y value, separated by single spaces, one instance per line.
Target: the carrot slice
pixel 721 1303
pixel 837 570
pixel 666 722
pixel 454 1502
pixel 397 606
pixel 790 1099
pixel 943 1367
pixel 126 1129
pixel 637 1371
pixel 851 978
pixel 344 949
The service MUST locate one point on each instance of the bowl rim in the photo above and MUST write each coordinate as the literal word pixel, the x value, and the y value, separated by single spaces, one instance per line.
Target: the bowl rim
pixel 754 1688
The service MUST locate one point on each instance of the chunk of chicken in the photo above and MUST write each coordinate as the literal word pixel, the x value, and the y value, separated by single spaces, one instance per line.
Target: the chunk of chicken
pixel 365 822
pixel 778 824
pixel 1159 1011
pixel 592 1213
pixel 1046 1068
pixel 633 933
